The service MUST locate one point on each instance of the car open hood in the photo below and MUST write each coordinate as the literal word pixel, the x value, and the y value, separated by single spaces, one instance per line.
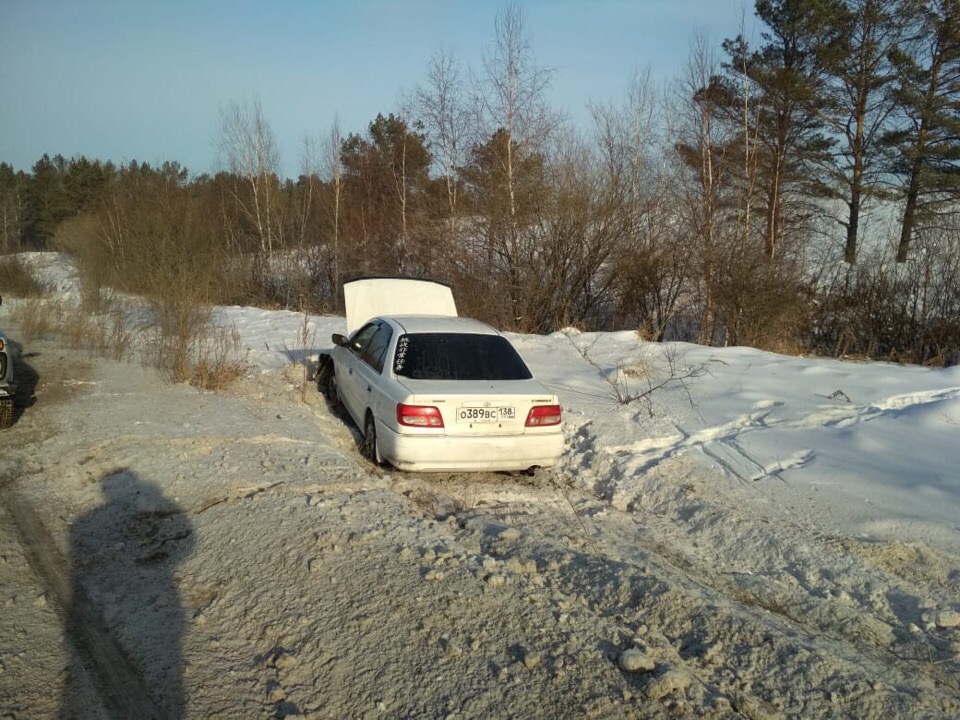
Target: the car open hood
pixel 369 297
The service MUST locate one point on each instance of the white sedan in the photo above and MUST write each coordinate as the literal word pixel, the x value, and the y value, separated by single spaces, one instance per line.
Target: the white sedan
pixel 433 391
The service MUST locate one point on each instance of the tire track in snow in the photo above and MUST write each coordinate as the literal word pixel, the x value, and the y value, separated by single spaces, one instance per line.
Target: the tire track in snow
pixel 122 690
pixel 671 446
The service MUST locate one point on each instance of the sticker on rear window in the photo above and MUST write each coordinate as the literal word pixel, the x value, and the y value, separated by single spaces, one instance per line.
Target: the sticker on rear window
pixel 403 346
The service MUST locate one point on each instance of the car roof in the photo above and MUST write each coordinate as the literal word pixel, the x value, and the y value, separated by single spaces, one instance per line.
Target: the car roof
pixel 413 324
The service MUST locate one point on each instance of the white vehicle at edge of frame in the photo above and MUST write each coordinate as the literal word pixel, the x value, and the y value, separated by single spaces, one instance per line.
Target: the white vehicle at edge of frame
pixel 434 392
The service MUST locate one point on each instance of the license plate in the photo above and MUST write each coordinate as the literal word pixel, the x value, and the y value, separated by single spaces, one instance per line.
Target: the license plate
pixel 486 414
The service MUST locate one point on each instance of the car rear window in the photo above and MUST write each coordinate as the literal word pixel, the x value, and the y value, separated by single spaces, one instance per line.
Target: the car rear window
pixel 455 356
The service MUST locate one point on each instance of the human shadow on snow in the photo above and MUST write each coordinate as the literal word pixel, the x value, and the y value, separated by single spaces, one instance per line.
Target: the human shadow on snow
pixel 125 618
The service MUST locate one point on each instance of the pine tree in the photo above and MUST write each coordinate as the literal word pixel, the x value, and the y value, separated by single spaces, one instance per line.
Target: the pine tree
pixel 858 101
pixel 928 98
pixel 384 175
pixel 13 184
pixel 785 77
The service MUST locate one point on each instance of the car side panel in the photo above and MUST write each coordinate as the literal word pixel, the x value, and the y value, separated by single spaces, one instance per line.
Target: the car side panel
pixel 363 387
pixel 369 392
pixel 344 363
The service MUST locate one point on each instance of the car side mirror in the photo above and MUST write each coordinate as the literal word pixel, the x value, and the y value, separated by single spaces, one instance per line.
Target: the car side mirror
pixel 339 340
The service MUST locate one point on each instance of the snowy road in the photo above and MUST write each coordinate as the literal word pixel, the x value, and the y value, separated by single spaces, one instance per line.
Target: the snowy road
pixel 246 563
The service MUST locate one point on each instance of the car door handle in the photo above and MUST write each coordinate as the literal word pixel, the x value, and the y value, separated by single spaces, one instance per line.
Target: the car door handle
pixel 350 371
pixel 369 389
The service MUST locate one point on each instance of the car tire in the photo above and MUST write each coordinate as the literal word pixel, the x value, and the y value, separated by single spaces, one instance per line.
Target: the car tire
pixel 332 393
pixel 369 447
pixel 6 413
pixel 322 374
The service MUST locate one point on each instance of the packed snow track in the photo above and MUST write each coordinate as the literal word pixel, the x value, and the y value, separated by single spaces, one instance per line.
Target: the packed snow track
pixel 233 556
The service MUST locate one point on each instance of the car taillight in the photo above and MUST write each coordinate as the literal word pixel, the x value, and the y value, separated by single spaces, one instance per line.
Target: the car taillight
pixel 419 416
pixel 541 415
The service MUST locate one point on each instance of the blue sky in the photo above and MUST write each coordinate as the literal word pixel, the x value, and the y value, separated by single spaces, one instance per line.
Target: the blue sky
pixel 145 79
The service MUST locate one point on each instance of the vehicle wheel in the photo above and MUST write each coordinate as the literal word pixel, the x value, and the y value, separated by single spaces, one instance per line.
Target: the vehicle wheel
pixel 369 448
pixel 6 413
pixel 323 372
pixel 332 393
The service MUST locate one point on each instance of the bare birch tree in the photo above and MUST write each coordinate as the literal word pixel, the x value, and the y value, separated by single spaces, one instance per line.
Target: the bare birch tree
pixel 649 269
pixel 701 142
pixel 512 110
pixel 334 174
pixel 515 91
pixel 309 174
pixel 440 106
pixel 248 151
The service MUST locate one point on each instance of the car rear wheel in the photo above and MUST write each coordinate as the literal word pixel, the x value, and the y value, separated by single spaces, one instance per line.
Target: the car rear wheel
pixel 369 447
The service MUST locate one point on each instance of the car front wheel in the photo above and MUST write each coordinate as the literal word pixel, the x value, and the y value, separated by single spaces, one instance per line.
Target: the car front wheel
pixel 6 413
pixel 332 393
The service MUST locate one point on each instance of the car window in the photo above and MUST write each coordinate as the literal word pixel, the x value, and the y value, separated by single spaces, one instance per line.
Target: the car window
pixel 376 349
pixel 361 338
pixel 458 356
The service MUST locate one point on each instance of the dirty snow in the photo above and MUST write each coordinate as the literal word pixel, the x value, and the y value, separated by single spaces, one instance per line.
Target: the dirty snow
pixel 779 536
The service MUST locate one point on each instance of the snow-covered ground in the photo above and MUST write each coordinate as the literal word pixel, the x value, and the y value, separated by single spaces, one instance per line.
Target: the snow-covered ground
pixel 776 536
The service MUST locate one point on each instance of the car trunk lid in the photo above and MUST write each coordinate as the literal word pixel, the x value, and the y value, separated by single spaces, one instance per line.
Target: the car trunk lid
pixel 480 407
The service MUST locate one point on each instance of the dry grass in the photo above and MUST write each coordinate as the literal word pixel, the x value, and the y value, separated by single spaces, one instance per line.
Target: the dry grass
pixel 77 328
pixel 37 318
pixel 303 344
pixel 213 360
pixel 16 280
pixel 105 335
pixel 114 337
pixel 642 367
pixel 220 360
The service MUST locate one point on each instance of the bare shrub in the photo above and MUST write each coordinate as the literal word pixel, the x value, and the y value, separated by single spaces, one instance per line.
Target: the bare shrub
pixel 116 337
pixel 97 253
pixel 903 312
pixel 769 313
pixel 654 367
pixel 106 334
pixel 649 280
pixel 110 333
pixel 78 329
pixel 219 360
pixel 213 360
pixel 153 349
pixel 303 347
pixel 36 318
pixel 17 280
pixel 183 326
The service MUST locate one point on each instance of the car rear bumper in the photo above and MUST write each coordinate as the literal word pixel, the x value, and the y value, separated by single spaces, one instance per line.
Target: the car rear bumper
pixel 440 453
